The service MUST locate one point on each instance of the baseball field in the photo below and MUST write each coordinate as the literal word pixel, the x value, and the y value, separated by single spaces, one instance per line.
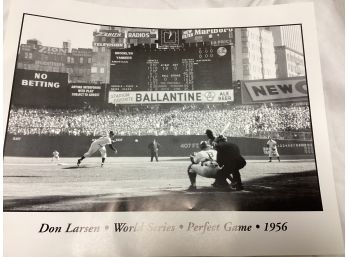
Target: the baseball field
pixel 136 184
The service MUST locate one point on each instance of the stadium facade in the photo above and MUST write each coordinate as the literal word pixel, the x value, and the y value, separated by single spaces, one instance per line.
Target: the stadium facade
pixel 163 82
pixel 257 53
pixel 75 62
pixel 289 51
pixel 255 58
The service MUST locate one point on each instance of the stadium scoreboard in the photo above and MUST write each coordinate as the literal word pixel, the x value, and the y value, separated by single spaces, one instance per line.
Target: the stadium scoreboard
pixel 177 69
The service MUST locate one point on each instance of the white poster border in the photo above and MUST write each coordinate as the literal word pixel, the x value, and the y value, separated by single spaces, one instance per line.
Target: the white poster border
pixel 309 233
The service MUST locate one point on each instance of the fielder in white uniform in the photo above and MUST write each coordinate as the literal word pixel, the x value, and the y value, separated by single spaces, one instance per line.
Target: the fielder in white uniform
pixel 99 145
pixel 203 163
pixel 272 149
pixel 55 155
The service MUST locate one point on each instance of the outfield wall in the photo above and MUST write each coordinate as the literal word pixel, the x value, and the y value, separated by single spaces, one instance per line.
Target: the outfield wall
pixel 72 146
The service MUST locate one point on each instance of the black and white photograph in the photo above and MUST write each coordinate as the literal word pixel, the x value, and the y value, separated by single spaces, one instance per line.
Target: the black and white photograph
pixel 172 129
pixel 108 118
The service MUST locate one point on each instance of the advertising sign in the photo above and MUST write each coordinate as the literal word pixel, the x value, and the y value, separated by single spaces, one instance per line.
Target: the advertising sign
pixel 140 37
pixel 82 52
pixel 274 90
pixel 199 35
pixel 50 63
pixel 108 39
pixel 155 97
pixel 117 45
pixel 26 48
pixel 52 50
pixel 115 34
pixel 83 93
pixel 138 34
pixel 37 88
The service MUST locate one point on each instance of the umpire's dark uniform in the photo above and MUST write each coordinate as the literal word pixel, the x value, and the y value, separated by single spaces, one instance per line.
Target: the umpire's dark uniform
pixel 154 147
pixel 228 156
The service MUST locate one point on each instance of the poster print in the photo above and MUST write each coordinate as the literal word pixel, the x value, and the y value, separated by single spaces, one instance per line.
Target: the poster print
pixel 160 101
pixel 142 119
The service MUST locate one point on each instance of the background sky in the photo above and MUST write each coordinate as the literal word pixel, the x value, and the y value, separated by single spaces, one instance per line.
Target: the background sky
pixel 52 32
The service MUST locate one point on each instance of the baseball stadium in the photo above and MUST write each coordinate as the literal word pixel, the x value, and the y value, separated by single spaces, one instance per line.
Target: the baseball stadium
pixel 169 86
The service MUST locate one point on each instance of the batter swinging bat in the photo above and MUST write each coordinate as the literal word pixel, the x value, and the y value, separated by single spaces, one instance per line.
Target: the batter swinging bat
pixel 225 128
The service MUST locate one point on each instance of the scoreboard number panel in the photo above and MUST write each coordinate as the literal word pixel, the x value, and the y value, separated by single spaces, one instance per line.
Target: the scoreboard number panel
pixel 187 68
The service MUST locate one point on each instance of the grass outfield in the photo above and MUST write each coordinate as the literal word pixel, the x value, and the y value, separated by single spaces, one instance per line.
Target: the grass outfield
pixel 136 184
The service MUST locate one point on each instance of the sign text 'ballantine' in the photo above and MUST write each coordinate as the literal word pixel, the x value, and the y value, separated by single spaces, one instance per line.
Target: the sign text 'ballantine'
pixel 149 97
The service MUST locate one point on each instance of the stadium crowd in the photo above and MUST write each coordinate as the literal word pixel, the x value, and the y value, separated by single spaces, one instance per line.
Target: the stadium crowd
pixel 246 120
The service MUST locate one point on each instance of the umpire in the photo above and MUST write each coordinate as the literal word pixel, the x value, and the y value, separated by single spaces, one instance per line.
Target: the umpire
pixel 228 157
pixel 154 147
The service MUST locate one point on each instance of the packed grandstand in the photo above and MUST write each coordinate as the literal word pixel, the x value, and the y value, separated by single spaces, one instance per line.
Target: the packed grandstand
pixel 246 120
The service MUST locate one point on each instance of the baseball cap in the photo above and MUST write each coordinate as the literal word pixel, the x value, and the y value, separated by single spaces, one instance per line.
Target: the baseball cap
pixel 208 131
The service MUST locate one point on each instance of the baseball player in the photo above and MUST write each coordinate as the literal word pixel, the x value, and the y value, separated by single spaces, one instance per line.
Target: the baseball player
pixel 55 155
pixel 203 163
pixel 211 137
pixel 99 145
pixel 272 149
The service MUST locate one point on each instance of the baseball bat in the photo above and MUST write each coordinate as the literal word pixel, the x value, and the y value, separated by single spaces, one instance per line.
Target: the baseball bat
pixel 225 128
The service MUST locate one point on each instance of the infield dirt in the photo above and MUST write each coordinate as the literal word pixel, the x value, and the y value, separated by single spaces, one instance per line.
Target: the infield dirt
pixel 136 184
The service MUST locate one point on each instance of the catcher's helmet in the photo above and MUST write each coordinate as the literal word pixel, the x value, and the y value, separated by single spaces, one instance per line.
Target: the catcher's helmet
pixel 203 145
pixel 111 133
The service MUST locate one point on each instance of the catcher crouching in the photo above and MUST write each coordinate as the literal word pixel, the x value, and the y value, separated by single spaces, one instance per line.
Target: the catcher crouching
pixel 203 163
